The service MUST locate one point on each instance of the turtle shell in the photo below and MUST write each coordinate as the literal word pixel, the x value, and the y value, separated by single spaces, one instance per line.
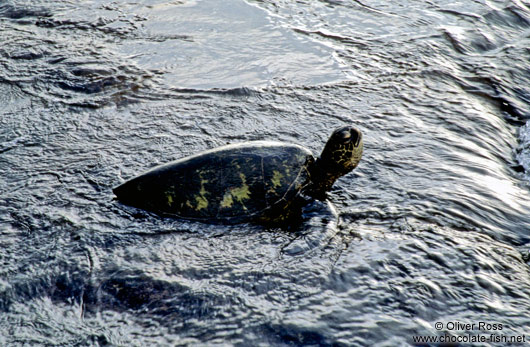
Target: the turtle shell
pixel 249 181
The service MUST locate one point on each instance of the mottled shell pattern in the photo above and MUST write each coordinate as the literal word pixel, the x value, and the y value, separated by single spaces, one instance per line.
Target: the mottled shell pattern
pixel 228 184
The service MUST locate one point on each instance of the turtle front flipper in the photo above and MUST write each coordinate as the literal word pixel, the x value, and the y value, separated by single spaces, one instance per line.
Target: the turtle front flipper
pixel 320 224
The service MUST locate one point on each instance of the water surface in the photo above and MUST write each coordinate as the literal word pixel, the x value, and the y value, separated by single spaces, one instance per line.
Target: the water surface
pixel 433 225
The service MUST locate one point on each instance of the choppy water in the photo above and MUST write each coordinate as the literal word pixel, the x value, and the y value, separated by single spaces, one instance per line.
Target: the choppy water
pixel 434 224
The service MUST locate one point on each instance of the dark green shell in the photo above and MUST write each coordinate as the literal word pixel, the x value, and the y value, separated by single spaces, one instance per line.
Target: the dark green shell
pixel 249 181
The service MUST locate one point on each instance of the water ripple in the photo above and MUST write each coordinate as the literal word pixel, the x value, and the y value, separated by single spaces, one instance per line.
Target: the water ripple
pixel 432 226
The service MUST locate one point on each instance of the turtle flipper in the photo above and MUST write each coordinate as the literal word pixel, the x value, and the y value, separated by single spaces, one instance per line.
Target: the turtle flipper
pixel 320 222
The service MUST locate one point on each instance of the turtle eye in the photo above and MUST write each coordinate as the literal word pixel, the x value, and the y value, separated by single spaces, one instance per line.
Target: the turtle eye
pixel 356 137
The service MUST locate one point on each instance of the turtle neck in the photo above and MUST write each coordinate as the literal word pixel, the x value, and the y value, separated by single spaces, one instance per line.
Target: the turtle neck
pixel 323 175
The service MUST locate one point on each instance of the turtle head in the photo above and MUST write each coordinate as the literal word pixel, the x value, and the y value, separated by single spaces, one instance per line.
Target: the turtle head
pixel 342 154
pixel 343 151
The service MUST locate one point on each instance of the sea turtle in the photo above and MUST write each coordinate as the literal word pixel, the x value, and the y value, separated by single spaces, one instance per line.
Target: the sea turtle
pixel 259 181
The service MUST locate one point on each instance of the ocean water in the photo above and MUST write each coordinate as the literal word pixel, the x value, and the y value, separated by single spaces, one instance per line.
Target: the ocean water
pixel 433 229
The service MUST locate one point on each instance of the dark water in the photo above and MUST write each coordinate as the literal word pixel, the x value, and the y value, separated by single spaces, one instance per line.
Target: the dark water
pixel 434 225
